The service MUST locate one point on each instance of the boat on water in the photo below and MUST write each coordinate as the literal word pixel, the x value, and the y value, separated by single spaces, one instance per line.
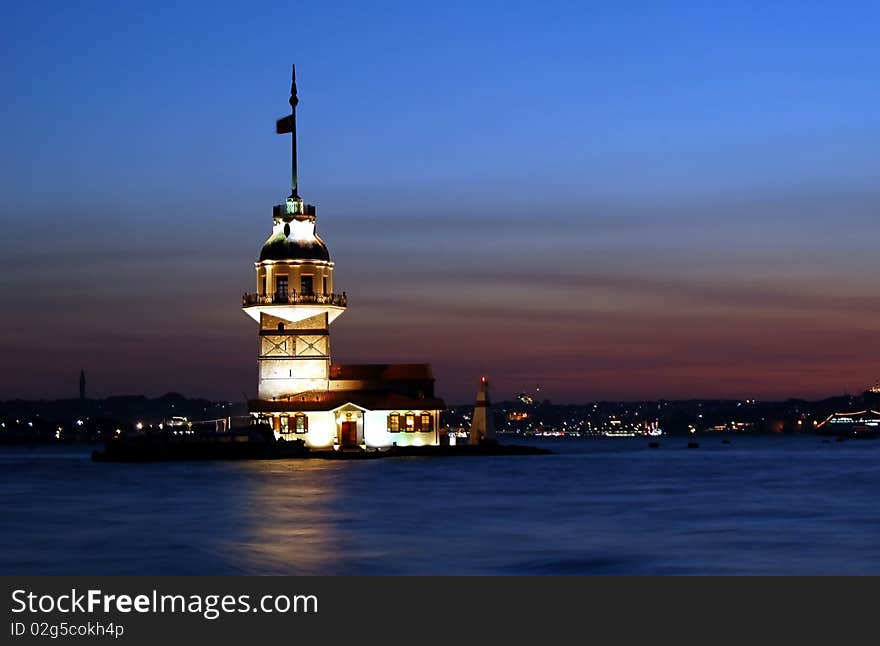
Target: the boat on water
pixel 862 424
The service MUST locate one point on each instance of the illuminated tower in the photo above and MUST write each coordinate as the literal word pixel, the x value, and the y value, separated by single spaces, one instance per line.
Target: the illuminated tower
pixel 482 423
pixel 294 302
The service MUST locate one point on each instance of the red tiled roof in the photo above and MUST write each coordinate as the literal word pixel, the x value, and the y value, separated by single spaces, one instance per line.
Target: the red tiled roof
pixel 382 371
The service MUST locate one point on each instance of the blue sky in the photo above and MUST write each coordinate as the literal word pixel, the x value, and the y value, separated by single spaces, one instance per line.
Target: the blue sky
pixel 624 199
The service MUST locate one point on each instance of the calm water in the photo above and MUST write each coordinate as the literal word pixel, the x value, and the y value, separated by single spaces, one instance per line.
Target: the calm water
pixel 758 505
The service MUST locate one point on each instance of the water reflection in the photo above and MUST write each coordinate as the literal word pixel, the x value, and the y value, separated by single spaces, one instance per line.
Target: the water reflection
pixel 287 523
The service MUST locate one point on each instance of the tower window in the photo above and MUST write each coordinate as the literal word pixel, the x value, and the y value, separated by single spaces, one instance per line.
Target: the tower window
pixel 325 284
pixel 263 285
pixel 281 288
pixel 307 285
pixel 281 327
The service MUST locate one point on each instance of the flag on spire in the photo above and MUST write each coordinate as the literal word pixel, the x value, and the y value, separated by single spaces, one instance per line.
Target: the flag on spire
pixel 285 125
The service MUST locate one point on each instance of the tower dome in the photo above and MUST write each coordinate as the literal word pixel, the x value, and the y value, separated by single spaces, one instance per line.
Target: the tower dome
pixel 294 240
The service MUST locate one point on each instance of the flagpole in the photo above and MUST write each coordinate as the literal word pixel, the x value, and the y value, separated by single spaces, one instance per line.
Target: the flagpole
pixel 293 102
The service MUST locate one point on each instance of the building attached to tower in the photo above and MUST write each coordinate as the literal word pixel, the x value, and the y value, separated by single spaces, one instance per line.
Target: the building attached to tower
pixel 302 394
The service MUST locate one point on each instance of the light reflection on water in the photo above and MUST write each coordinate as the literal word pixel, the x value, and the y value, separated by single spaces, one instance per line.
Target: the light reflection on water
pixel 759 505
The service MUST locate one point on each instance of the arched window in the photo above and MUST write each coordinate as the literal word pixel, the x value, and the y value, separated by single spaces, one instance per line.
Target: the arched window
pixel 426 422
pixel 301 424
pixel 394 422
pixel 281 327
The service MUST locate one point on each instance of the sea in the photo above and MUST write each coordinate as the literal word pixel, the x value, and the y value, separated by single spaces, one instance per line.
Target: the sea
pixel 612 506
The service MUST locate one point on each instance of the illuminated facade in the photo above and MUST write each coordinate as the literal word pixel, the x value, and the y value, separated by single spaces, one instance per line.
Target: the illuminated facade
pixel 301 393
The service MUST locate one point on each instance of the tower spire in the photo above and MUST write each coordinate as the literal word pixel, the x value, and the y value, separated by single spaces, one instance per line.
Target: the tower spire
pixel 288 125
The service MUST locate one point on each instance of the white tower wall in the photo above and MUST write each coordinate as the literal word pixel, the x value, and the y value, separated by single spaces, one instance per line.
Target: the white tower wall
pixel 483 422
pixel 294 357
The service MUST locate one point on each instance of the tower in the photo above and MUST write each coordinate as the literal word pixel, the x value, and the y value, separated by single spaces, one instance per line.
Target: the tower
pixel 482 423
pixel 302 395
pixel 294 302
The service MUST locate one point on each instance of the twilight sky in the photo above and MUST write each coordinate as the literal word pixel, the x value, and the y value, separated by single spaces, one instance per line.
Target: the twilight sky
pixel 618 200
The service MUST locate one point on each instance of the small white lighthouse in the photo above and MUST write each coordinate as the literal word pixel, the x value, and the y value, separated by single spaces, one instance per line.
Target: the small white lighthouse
pixel 482 423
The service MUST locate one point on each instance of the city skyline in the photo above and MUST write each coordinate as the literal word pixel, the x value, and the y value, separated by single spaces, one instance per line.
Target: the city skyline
pixel 615 210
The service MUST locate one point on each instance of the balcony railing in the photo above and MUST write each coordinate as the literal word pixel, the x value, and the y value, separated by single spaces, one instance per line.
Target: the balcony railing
pixel 293 298
pixel 280 211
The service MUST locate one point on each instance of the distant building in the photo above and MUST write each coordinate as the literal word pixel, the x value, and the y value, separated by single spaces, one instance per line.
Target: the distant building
pixel 525 399
pixel 301 393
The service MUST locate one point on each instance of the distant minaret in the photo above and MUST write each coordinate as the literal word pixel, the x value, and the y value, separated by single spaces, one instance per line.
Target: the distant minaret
pixel 482 423
pixel 82 385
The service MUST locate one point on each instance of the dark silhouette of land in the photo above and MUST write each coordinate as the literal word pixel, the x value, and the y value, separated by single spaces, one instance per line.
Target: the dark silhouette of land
pixel 90 420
